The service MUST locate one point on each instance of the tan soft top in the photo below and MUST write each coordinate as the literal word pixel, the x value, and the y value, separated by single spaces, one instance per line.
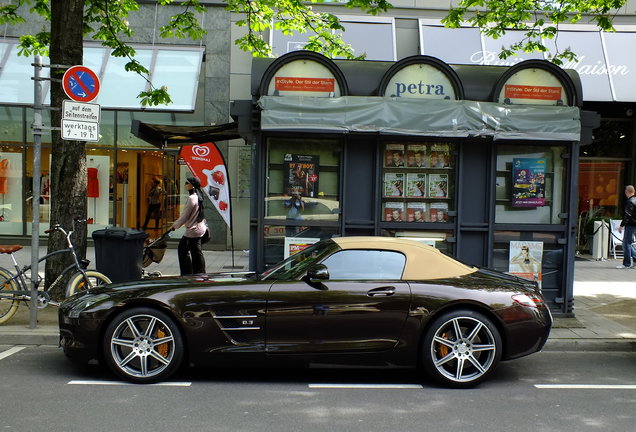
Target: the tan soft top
pixel 423 262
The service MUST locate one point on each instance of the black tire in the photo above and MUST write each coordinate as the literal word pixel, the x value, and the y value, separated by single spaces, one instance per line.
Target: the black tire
pixel 143 345
pixel 77 283
pixel 8 305
pixel 461 349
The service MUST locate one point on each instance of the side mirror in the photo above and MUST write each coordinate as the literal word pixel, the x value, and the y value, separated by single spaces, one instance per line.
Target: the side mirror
pixel 318 272
pixel 315 274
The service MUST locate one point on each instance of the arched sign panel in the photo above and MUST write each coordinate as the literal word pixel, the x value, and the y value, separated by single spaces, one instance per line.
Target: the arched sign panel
pixel 535 82
pixel 421 77
pixel 304 78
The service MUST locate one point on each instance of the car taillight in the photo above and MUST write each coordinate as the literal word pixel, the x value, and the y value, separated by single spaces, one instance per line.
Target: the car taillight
pixel 528 300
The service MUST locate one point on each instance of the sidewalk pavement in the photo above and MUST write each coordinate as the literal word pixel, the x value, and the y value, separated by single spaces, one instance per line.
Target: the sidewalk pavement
pixel 604 304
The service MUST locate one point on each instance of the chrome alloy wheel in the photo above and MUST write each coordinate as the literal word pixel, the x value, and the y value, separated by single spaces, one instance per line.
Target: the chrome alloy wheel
pixel 463 349
pixel 142 346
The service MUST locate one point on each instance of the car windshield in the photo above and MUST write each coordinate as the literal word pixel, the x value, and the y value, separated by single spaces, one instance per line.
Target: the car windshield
pixel 296 265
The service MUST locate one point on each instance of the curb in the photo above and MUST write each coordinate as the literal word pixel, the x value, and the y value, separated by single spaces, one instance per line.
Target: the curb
pixel 21 335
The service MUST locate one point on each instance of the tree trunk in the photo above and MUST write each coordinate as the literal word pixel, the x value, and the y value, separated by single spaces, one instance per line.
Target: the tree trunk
pixel 68 158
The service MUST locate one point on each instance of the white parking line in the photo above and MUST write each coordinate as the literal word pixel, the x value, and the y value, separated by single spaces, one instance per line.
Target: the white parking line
pixel 123 383
pixel 10 351
pixel 586 386
pixel 367 386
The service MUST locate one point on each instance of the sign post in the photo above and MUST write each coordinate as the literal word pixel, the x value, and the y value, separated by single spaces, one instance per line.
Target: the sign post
pixel 80 119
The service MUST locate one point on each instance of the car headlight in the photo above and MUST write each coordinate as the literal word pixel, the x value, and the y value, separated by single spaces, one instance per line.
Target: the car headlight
pixel 86 303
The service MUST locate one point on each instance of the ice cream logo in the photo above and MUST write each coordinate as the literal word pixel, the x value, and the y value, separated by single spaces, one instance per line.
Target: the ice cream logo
pixel 201 151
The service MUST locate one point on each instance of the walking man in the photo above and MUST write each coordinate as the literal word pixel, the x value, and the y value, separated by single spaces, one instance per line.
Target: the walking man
pixel 628 224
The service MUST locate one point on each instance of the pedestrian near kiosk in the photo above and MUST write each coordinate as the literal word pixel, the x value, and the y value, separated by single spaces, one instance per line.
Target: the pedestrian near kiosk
pixel 628 228
pixel 191 260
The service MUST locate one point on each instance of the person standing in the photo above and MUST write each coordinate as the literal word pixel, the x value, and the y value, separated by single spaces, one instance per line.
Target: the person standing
pixel 191 260
pixel 154 204
pixel 628 225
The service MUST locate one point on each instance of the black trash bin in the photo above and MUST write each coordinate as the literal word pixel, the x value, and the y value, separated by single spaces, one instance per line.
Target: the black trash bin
pixel 119 253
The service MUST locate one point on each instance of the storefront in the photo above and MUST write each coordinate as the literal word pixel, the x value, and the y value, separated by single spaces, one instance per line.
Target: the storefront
pixel 480 162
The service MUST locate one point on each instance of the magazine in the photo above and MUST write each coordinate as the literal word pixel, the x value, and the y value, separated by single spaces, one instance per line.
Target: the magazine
pixel 440 156
pixel 394 155
pixel 301 174
pixel 416 185
pixel 416 156
pixel 416 212
pixel 393 185
pixel 438 185
pixel 393 211
pixel 438 212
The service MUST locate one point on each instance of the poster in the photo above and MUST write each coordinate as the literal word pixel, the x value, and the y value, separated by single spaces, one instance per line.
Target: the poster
pixel 438 185
pixel 416 156
pixel 394 155
pixel 438 212
pixel 416 212
pixel 301 174
pixel 393 185
pixel 416 185
pixel 525 260
pixel 393 212
pixel 528 182
pixel 293 245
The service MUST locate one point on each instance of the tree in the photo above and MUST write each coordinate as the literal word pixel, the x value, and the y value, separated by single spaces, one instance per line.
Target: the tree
pixel 537 19
pixel 106 20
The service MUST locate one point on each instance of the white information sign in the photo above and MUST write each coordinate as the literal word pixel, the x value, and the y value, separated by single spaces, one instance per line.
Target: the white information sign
pixel 73 130
pixel 80 121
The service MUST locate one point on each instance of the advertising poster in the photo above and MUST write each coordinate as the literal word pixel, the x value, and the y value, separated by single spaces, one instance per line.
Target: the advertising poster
pixel 525 260
pixel 438 212
pixel 528 182
pixel 394 155
pixel 438 185
pixel 394 212
pixel 393 185
pixel 301 174
pixel 416 212
pixel 416 185
pixel 293 245
pixel 416 156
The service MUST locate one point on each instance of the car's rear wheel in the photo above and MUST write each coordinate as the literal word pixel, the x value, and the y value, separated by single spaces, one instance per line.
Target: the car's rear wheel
pixel 461 348
pixel 143 345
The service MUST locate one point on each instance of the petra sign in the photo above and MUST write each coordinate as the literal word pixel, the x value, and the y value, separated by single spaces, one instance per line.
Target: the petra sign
pixel 420 81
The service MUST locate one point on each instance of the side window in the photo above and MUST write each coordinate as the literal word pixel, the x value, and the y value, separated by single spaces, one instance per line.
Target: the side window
pixel 365 265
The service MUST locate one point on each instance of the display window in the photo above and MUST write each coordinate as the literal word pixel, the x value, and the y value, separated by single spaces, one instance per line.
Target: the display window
pixel 418 182
pixel 530 184
pixel 436 239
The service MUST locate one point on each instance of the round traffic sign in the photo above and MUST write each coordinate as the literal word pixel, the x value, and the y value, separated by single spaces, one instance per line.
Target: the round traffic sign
pixel 80 84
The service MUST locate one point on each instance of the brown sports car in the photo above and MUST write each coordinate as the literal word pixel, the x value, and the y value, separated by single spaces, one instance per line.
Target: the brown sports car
pixel 368 301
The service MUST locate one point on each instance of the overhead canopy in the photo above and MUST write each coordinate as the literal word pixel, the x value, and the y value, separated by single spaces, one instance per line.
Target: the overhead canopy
pixel 169 135
pixel 438 118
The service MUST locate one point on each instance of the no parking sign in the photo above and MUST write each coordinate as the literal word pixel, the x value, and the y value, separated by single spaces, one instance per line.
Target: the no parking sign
pixel 80 84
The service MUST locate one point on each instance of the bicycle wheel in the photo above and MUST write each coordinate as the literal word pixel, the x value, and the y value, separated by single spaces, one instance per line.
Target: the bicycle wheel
pixel 8 303
pixel 78 283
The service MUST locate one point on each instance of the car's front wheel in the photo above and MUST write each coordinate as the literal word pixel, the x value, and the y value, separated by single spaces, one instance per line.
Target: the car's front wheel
pixel 143 345
pixel 461 348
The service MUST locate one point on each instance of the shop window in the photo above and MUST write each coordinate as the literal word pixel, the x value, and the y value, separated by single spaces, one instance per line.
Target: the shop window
pixel 302 197
pixel 418 182
pixel 437 239
pixel 365 265
pixel 530 184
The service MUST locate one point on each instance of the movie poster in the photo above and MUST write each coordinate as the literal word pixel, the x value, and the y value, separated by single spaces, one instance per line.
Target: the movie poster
pixel 528 182
pixel 301 174
pixel 393 211
pixel 416 212
pixel 525 260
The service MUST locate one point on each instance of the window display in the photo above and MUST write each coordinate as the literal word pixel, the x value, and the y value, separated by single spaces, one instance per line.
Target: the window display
pixel 417 182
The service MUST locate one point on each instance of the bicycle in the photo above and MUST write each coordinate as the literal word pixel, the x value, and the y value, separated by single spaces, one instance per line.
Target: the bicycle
pixel 14 288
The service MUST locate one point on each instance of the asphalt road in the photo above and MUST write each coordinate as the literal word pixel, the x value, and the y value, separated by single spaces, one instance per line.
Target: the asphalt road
pixel 552 391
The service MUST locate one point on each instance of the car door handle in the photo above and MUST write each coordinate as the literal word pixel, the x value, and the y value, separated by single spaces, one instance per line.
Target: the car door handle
pixel 384 291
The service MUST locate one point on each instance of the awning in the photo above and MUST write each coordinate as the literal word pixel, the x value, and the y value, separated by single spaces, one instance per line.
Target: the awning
pixel 169 135
pixel 418 117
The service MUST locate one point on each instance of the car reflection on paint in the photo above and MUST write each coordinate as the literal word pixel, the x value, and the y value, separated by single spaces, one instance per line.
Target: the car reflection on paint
pixel 366 301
